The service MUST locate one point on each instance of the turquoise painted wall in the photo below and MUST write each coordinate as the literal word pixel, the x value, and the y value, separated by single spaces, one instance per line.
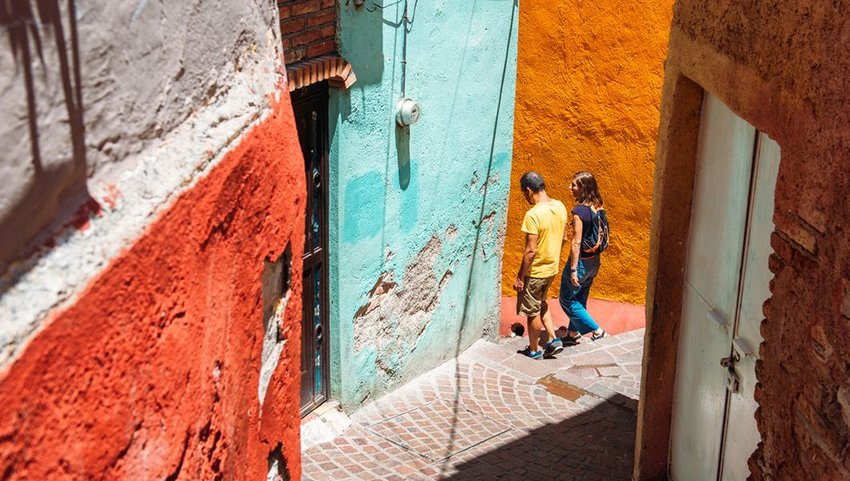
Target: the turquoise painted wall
pixel 418 214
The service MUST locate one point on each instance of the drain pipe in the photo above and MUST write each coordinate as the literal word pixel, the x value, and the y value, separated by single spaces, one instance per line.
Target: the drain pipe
pixel 405 23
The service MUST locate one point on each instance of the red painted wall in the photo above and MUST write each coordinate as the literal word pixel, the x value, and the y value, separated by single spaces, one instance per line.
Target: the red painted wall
pixel 152 373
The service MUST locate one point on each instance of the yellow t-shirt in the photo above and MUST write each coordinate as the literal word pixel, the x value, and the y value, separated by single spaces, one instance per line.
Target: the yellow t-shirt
pixel 547 221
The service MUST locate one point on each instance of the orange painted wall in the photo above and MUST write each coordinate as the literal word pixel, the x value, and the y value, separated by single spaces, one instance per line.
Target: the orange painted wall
pixel 589 78
pixel 153 372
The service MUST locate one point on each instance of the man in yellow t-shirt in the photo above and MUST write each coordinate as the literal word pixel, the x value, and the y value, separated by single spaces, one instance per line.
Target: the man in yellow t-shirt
pixel 544 234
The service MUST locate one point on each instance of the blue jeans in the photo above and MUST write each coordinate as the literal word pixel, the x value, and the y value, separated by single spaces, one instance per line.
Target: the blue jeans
pixel 573 299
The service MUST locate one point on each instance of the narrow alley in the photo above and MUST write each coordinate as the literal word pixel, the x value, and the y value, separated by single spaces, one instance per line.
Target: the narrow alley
pixel 290 239
pixel 492 414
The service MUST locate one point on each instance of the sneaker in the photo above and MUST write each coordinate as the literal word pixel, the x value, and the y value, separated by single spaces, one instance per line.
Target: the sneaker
pixel 527 352
pixel 571 340
pixel 596 337
pixel 553 347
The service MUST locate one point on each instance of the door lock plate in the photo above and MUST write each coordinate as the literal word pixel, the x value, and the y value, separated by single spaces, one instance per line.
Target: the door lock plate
pixel 733 384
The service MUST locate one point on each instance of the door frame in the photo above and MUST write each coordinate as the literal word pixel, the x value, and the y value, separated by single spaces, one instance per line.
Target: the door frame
pixel 307 97
pixel 691 69
pixel 751 178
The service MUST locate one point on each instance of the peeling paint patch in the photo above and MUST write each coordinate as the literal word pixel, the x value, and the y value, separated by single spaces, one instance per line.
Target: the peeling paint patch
pixel 395 316
pixel 276 293
pixel 491 183
pixel 451 232
pixel 277 466
pixel 488 223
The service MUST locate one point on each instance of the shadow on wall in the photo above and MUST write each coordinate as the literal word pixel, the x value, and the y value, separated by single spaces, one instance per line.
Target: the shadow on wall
pixel 402 145
pixel 478 227
pixel 29 27
pixel 598 444
pixel 366 51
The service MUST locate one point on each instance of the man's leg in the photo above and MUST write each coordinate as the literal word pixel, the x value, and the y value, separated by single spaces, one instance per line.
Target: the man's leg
pixel 539 317
pixel 528 306
pixel 546 318
pixel 534 327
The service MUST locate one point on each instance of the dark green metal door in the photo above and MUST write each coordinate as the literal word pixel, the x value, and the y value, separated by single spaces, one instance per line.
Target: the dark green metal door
pixel 310 106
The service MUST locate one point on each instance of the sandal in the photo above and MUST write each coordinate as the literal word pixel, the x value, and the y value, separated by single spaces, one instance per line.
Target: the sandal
pixel 527 352
pixel 571 340
pixel 596 337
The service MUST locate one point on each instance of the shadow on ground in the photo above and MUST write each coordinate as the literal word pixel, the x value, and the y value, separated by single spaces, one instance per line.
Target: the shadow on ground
pixel 596 445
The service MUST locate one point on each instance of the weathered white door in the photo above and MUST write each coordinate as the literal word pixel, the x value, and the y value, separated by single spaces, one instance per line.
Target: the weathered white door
pixel 712 271
pixel 742 437
pixel 722 299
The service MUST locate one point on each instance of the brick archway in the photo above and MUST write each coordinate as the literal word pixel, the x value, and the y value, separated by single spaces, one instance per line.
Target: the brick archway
pixel 336 70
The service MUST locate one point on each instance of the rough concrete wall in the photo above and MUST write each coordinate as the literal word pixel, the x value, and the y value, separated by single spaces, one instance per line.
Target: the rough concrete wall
pixel 783 67
pixel 154 371
pixel 416 246
pixel 589 80
pixel 161 91
pixel 146 332
pixel 87 87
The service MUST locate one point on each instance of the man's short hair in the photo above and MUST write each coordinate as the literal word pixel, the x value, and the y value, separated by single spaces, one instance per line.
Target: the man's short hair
pixel 533 181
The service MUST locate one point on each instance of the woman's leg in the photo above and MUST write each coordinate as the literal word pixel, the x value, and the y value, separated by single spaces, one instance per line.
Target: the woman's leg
pixel 584 293
pixel 573 301
pixel 579 307
pixel 591 269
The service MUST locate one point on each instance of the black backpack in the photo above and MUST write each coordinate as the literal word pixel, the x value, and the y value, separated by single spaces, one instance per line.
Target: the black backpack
pixel 595 240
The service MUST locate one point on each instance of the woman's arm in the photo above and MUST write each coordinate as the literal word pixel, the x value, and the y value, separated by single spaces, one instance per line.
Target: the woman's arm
pixel 574 249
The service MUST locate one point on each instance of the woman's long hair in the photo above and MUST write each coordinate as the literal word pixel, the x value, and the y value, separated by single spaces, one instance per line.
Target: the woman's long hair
pixel 588 191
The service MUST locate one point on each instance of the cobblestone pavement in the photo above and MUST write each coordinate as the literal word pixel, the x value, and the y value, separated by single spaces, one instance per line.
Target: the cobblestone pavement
pixel 493 414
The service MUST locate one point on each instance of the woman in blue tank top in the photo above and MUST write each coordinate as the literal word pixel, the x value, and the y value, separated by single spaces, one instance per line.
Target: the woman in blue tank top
pixel 582 267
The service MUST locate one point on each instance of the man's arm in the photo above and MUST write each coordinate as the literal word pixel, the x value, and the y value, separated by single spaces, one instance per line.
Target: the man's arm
pixel 527 258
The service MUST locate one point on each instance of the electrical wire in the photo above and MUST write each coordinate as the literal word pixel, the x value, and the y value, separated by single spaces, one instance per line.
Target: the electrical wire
pixel 377 5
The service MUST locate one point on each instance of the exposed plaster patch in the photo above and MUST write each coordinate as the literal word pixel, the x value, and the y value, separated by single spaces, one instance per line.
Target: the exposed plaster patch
pixel 278 470
pixel 499 247
pixel 394 317
pixel 276 293
pixel 451 232
pixel 492 182
pixel 488 222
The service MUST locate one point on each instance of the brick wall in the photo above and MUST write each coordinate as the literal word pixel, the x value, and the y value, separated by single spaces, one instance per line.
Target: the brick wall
pixel 308 28
pixel 787 78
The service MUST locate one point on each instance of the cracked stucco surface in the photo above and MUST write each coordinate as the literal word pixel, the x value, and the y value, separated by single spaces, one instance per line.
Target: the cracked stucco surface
pixel 150 133
pixel 396 315
pixel 417 214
